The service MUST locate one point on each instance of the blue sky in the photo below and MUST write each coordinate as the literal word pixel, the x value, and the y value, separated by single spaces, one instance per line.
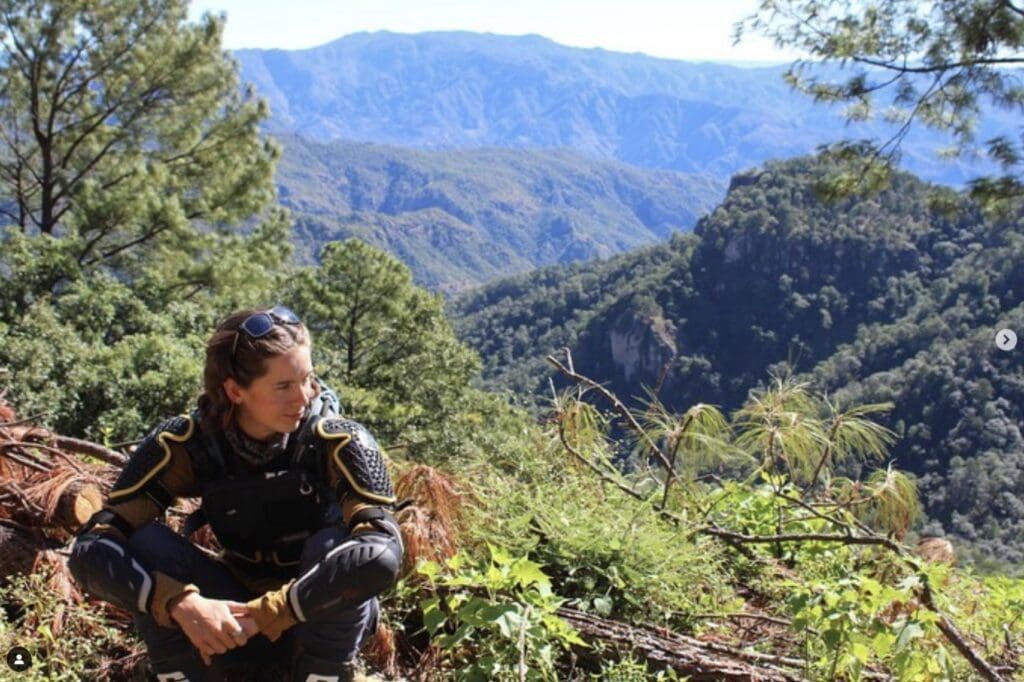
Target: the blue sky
pixel 679 29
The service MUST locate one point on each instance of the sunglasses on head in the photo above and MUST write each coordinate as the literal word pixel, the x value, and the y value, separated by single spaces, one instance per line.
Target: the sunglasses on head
pixel 258 325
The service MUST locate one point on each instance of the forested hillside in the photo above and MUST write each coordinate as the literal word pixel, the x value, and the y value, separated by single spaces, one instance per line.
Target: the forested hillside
pixel 460 218
pixel 875 299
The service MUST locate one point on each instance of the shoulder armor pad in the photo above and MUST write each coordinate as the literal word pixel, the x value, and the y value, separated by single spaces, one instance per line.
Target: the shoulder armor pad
pixel 354 452
pixel 152 456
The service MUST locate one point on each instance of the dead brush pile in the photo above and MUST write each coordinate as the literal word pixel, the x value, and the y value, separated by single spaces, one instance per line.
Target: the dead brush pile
pixel 432 527
pixel 49 487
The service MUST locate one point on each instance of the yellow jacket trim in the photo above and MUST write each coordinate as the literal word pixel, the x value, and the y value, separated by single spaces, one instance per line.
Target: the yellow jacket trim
pixel 161 438
pixel 345 439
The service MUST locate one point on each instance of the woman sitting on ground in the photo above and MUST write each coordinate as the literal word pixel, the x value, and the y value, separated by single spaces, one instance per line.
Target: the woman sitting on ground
pixel 300 504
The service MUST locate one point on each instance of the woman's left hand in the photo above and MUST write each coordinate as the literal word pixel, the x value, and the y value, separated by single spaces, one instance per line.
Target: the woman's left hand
pixel 244 618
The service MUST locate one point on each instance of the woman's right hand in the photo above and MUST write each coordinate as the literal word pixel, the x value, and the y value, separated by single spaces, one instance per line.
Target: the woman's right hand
pixel 210 625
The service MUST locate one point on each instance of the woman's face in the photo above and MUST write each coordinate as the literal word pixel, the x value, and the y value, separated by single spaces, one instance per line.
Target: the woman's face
pixel 276 401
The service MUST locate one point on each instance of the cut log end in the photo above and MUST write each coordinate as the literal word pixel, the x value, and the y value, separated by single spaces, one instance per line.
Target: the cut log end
pixel 78 505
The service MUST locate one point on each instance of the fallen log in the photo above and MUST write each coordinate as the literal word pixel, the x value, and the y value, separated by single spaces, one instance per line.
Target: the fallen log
pixel 685 655
pixel 82 447
pixel 45 495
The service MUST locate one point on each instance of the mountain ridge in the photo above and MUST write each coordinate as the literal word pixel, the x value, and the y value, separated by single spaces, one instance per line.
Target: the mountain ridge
pixel 461 89
pixel 461 217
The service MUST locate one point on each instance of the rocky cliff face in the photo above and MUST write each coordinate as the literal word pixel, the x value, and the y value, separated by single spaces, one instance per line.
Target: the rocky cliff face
pixel 642 347
pixel 630 345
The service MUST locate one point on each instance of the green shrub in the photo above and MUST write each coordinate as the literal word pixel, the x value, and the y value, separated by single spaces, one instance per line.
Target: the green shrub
pixel 66 642
pixel 495 619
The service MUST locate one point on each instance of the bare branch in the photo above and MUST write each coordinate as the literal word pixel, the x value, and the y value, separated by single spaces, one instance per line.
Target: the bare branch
pixel 621 409
pixel 741 616
pixel 945 625
pixel 25 436
pixel 687 655
pixel 801 537
pixel 938 68
pixel 20 458
pixel 109 253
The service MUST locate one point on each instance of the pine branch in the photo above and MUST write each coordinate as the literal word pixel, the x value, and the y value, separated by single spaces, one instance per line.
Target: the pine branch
pixel 620 408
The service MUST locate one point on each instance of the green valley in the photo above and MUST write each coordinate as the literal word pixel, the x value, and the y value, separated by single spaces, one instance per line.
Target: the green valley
pixel 460 218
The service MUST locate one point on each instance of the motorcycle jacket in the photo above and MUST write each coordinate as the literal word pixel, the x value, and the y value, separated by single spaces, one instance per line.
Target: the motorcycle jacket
pixel 331 472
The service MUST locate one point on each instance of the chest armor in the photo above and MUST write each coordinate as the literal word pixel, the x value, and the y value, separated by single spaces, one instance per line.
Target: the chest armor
pixel 263 518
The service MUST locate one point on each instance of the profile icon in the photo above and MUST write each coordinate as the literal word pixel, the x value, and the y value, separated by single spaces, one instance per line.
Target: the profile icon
pixel 19 659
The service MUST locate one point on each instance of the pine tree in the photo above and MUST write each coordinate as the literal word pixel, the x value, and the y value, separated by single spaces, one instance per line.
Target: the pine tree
pixel 937 64
pixel 124 139
pixel 383 339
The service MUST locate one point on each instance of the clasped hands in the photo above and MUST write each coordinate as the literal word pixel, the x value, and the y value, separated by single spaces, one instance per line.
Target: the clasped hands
pixel 214 626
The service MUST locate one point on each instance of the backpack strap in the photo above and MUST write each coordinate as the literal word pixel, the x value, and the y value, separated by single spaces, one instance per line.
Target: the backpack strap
pixel 206 453
pixel 326 403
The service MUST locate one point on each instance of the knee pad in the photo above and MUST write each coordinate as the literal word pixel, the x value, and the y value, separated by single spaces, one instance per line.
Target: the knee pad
pixel 356 570
pixel 104 569
pixel 157 545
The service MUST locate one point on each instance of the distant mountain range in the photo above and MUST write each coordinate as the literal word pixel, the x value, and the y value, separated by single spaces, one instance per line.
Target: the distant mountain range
pixel 459 218
pixel 459 90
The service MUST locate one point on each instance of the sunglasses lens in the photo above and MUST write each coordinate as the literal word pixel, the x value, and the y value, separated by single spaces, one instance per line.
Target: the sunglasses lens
pixel 258 325
pixel 285 315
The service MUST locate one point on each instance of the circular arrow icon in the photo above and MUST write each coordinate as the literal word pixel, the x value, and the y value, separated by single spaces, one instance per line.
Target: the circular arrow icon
pixel 1006 339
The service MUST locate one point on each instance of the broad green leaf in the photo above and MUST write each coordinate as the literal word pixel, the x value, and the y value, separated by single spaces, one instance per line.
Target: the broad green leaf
pixel 882 644
pixel 526 572
pixel 908 634
pixel 603 605
pixel 499 555
pixel 433 617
